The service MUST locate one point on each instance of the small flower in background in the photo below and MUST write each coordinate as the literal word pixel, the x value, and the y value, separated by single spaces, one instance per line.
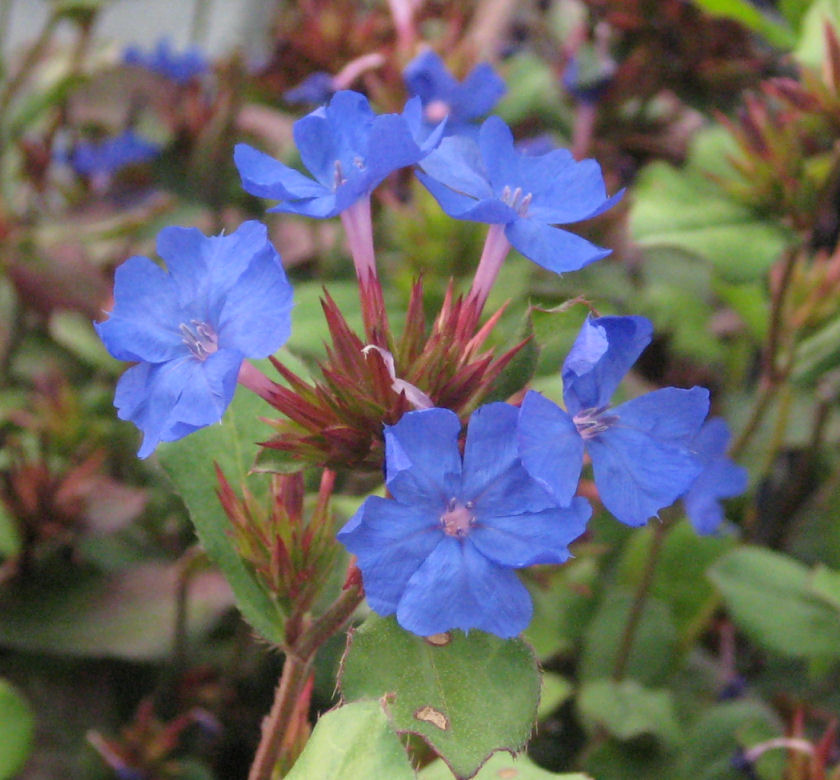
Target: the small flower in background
pixel 642 450
pixel 491 181
pixel 720 478
pixel 444 97
pixel 441 553
pixel 346 147
pixel 315 89
pixel 224 298
pixel 99 160
pixel 180 67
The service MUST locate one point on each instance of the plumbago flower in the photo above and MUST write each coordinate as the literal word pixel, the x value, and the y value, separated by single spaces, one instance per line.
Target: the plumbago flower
pixel 441 553
pixel 348 149
pixel 98 159
pixel 720 478
pixel 188 329
pixel 443 96
pixel 180 67
pixel 521 196
pixel 642 451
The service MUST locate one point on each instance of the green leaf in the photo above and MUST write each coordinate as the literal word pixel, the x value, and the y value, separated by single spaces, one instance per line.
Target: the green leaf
pixel 817 354
pixel 686 210
pixel 351 742
pixel 74 332
pixel 653 645
pixel 810 50
pixel 499 767
pixel 128 614
pixel 519 371
pixel 627 710
pixel 466 695
pixel 825 584
pixel 10 541
pixel 776 33
pixel 554 691
pixel 17 729
pixel 189 464
pixel 770 597
pixel 711 741
pixel 679 579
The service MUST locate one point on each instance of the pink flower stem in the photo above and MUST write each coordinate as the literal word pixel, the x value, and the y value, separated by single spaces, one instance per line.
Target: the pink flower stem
pixel 359 229
pixel 496 248
pixel 255 380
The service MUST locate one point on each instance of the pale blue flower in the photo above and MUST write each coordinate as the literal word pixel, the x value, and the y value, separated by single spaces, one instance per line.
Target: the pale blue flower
pixel 223 299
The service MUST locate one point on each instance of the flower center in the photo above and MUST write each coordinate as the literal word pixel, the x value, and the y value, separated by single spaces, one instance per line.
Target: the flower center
pixel 458 518
pixel 200 338
pixel 591 422
pixel 516 200
pixel 436 110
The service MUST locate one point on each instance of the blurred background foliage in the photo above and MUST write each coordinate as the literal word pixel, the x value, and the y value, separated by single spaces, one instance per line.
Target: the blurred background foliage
pixel 665 655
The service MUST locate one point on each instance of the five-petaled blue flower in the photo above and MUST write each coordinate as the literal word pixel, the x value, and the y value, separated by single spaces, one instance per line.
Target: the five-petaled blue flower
pixel 223 298
pixel 102 158
pixel 493 182
pixel 720 478
pixel 642 450
pixel 441 553
pixel 347 148
pixel 180 67
pixel 443 96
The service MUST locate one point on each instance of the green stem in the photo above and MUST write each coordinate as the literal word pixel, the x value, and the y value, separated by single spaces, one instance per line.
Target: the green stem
pixel 296 669
pixel 33 55
pixel 637 608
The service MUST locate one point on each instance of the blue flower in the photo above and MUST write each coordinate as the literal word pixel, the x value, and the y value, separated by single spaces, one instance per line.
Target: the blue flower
pixel 163 59
pixel 443 96
pixel 442 551
pixel 641 450
pixel 720 478
pixel 223 298
pixel 102 158
pixel 315 89
pixel 493 182
pixel 347 148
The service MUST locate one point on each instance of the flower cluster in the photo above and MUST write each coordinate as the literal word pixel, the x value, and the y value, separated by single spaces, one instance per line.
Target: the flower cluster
pixel 179 67
pixel 440 552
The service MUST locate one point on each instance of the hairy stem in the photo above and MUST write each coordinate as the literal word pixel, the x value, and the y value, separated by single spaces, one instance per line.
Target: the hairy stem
pixel 296 669
pixel 637 608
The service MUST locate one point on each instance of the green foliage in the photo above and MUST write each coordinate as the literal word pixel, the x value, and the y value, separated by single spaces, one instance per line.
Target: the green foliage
pixel 190 465
pixel 746 13
pixel 773 598
pixel 466 695
pixel 354 741
pixel 627 710
pixel 129 614
pixel 684 209
pixel 17 729
pixel 498 767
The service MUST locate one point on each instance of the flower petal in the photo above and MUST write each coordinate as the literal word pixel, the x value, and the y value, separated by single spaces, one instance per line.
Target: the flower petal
pixel 423 464
pixel 570 191
pixel 457 587
pixel 490 448
pixel 457 164
pixel 643 463
pixel 499 154
pixel 603 352
pixel 144 322
pixel 550 446
pixel 391 541
pixel 465 207
pixel 266 177
pixel 478 93
pixel 720 478
pixel 554 249
pixel 535 537
pixel 256 315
